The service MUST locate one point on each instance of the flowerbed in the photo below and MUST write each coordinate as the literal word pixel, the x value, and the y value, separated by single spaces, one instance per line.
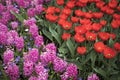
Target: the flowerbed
pixel 59 39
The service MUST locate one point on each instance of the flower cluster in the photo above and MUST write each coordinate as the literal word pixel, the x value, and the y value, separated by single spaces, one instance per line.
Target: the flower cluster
pixel 89 25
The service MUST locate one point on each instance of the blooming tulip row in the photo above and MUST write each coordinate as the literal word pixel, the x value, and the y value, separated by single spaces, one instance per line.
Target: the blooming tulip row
pixel 88 25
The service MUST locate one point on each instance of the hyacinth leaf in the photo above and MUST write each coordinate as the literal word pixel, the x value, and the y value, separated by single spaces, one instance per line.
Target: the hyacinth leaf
pixel 18 16
pixel 47 34
pixel 102 72
pixel 55 35
pixel 71 47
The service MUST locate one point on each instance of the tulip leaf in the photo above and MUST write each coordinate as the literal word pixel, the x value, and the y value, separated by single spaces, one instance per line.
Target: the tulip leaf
pixel 71 47
pixel 47 34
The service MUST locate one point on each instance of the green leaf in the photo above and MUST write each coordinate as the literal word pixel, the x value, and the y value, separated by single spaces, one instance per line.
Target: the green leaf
pixel 102 72
pixel 111 42
pixel 71 47
pixel 47 34
pixel 18 16
pixel 93 58
pixel 55 35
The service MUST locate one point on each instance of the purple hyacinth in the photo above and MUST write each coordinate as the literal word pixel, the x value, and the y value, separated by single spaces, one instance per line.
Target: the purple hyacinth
pixel 38 9
pixel 21 3
pixel 39 41
pixel 34 54
pixel 59 65
pixel 39 68
pixel 43 75
pixel 30 22
pixel 64 76
pixel 93 77
pixel 12 71
pixel 3 28
pixel 33 78
pixel 10 39
pixel 50 47
pixel 34 30
pixel 8 56
pixel 72 71
pixel 3 38
pixel 47 57
pixel 31 12
pixel 14 25
pixel 28 68
pixel 13 33
pixel 19 43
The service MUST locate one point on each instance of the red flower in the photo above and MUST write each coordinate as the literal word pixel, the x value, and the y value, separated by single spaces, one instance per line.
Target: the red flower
pixel 66 36
pixel 79 38
pixel 98 15
pixel 80 30
pixel 66 11
pixel 116 16
pixel 109 53
pixel 74 19
pixel 61 22
pixel 88 27
pixel 104 8
pixel 67 25
pixel 84 1
pixel 103 22
pixel 88 15
pixel 81 50
pixel 109 11
pixel 96 26
pixel 117 46
pixel 60 2
pixel 63 16
pixel 79 13
pixel 104 36
pixel 85 21
pixel 100 4
pixel 114 24
pixel 70 4
pixel 113 3
pixel 50 10
pixel 90 36
pixel 113 35
pixel 99 47
pixel 57 10
pixel 118 8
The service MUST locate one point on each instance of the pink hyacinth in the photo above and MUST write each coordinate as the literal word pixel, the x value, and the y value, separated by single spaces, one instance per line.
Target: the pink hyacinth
pixel 3 28
pixel 39 68
pixel 28 68
pixel 93 77
pixel 30 22
pixel 3 38
pixel 64 76
pixel 33 55
pixel 33 78
pixel 10 39
pixel 43 75
pixel 72 70
pixel 38 9
pixel 13 71
pixel 50 47
pixel 39 41
pixel 14 25
pixel 8 56
pixel 59 65
pixel 47 57
pixel 31 12
pixel 19 43
pixel 13 33
pixel 34 30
